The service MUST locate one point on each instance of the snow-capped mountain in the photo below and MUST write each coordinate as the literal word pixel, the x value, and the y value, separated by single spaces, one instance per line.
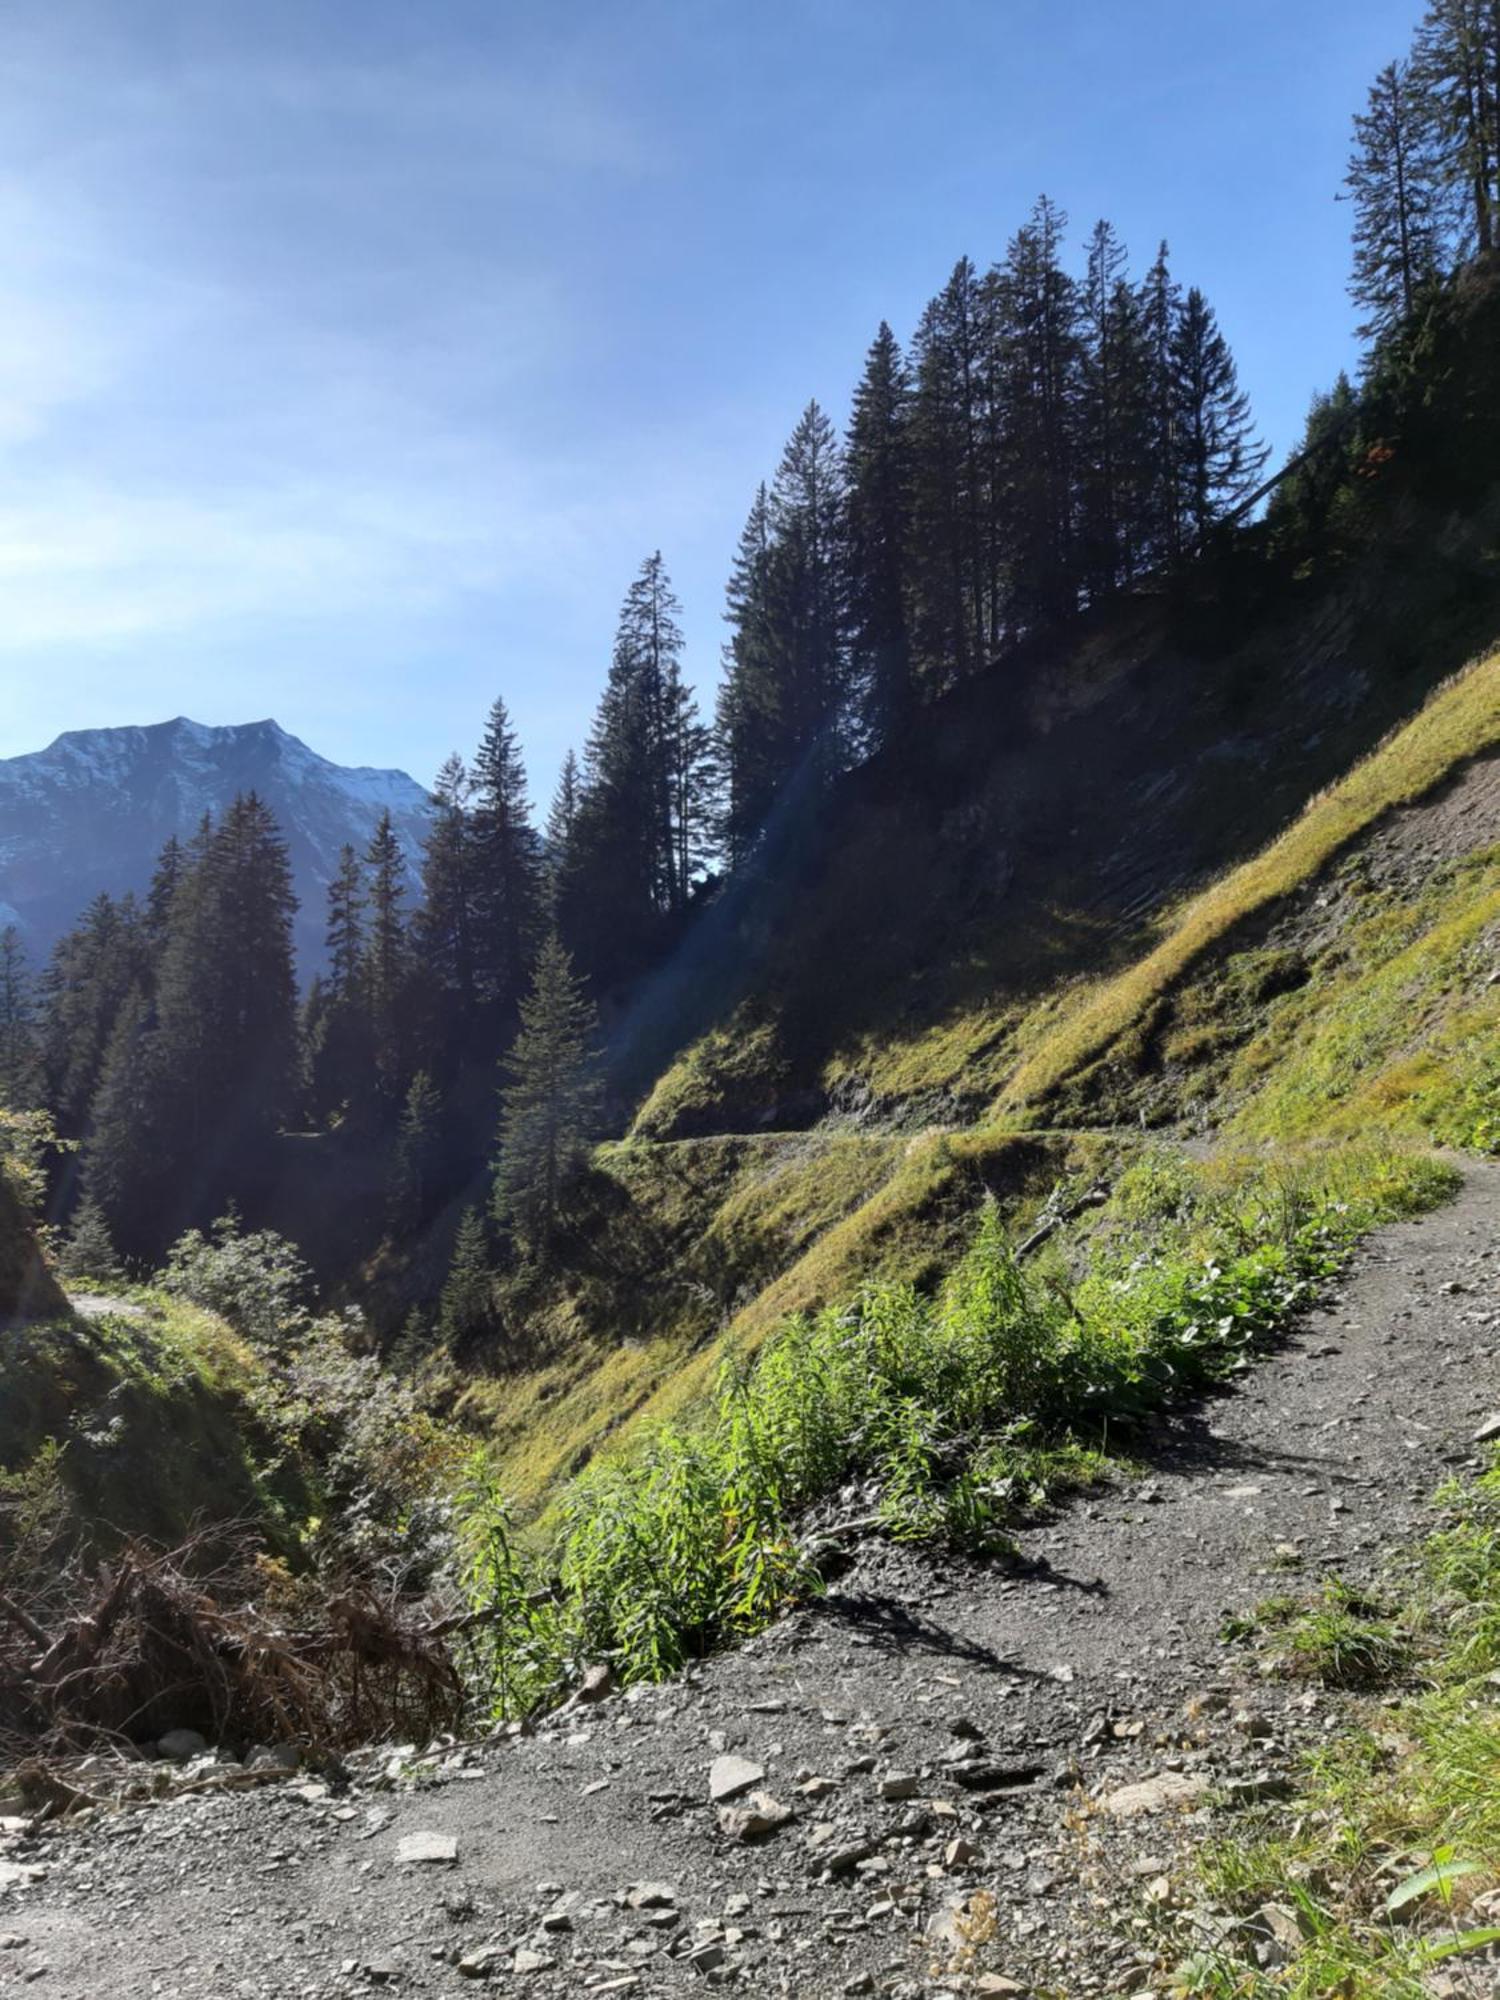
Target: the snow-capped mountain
pixel 93 810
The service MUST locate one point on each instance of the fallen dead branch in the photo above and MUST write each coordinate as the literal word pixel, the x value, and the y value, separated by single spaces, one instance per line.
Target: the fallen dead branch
pixel 162 1641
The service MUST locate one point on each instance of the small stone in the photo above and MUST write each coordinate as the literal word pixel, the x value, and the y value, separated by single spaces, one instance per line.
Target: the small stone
pixel 481 1963
pixel 729 1776
pixel 1259 1786
pixel 651 1895
pixel 275 1757
pixel 995 1986
pixel 597 1682
pixel 843 1860
pixel 382 1971
pixel 527 1960
pixel 757 1819
pixel 1489 1430
pixel 706 1958
pixel 1252 1724
pixel 897 1785
pixel 818 1788
pixel 960 1853
pixel 1171 1788
pixel 965 1728
pixel 182 1745
pixel 433 1850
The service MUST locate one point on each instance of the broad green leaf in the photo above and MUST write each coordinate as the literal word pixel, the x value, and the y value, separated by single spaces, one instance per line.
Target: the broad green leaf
pixel 1436 1877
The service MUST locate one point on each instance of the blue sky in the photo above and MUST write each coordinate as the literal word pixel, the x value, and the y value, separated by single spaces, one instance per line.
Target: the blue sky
pixel 353 353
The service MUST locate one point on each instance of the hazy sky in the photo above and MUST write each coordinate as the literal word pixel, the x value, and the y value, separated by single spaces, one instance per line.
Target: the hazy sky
pixel 354 352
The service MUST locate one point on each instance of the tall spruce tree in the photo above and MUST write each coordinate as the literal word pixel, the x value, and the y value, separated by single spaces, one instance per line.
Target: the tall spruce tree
pixel 806 589
pixel 94 970
pixel 171 864
pixel 336 1030
pixel 1043 354
pixel 226 991
pixel 507 854
pixel 1162 530
pixel 954 613
pixel 1456 73
pixel 417 1159
pixel 1393 182
pixel 20 1051
pixel 1113 419
pixel 385 966
pixel 550 1102
pixel 1217 454
pixel 747 719
pixel 466 1308
pixel 447 928
pixel 878 543
pixel 137 1167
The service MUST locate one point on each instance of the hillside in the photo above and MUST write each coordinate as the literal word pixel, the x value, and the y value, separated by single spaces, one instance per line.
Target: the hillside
pixel 1340 980
pixel 93 811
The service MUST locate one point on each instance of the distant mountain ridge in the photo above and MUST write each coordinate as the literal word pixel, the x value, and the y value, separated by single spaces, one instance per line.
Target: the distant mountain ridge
pixel 93 810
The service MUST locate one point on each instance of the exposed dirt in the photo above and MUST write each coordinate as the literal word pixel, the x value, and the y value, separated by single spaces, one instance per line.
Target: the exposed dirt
pixel 1080 1667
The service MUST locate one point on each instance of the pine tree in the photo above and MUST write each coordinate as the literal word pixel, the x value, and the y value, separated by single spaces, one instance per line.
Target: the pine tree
pixel 345 935
pixel 445 930
pixel 550 1103
pixel 1303 513
pixel 1455 73
pixel 1041 392
pixel 20 1052
pixel 878 543
pixel 136 1165
pixel 748 724
pixel 466 1308
pixel 1217 455
pixel 1393 183
pixel 89 1252
pixel 807 613
pixel 1162 530
pixel 94 971
pixel 197 1085
pixel 956 581
pixel 1113 471
pixel 336 1036
pixel 385 967
pixel 418 1155
pixel 640 815
pixel 507 865
pixel 171 865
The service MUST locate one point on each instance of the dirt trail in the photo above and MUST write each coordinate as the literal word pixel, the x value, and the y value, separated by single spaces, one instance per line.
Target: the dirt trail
pixel 1078 1666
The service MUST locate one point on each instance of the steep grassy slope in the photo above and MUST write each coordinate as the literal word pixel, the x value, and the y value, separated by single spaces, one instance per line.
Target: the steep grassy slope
pixel 1338 980
pixel 159 1417
pixel 1353 955
pixel 700 1248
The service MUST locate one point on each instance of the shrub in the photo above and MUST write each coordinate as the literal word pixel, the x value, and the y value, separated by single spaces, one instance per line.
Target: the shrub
pixel 257 1280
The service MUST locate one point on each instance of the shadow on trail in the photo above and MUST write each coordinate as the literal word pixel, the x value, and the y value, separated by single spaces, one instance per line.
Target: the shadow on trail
pixel 891 1627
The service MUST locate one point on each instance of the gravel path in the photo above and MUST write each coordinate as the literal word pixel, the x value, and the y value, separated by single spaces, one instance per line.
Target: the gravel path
pixel 970 1724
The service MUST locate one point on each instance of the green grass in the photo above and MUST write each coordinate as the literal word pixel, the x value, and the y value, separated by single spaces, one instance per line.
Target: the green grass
pixel 1394 1836
pixel 1461 720
pixel 157 1418
pixel 958 1407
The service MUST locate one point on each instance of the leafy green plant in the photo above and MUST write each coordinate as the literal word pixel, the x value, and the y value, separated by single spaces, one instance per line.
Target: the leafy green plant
pixel 946 1415
pixel 255 1280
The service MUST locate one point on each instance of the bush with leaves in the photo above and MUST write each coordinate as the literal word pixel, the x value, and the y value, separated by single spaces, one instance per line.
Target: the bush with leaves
pixel 256 1280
